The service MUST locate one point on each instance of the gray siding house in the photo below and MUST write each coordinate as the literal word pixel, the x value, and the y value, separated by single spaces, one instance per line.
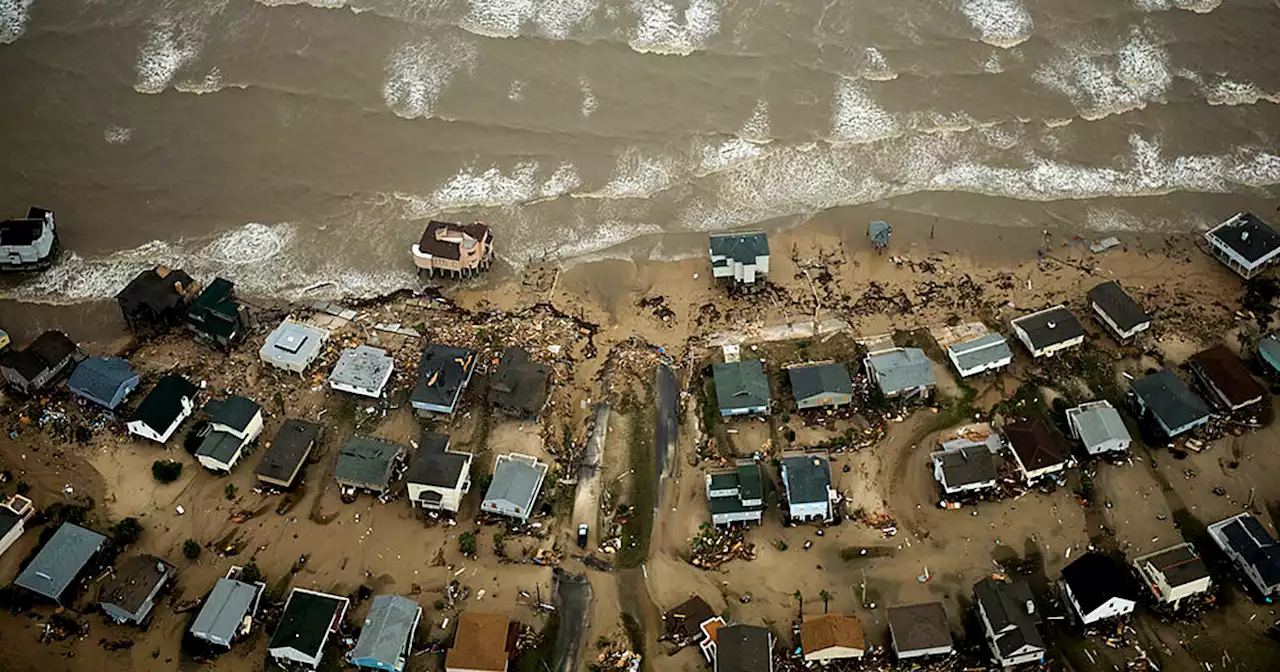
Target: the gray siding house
pixel 901 372
pixel 228 612
pixel 131 595
pixel 60 562
pixel 106 381
pixel 516 481
pixel 742 388
pixel 367 463
pixel 821 385
pixel 33 368
pixel 1245 243
pixel 1099 427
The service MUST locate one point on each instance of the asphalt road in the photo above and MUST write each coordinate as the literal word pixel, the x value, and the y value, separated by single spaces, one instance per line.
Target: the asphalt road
pixel 667 421
pixel 572 597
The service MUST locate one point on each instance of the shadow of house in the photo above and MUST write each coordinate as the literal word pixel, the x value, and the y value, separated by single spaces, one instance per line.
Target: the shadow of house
pixel 215 317
pixel 156 299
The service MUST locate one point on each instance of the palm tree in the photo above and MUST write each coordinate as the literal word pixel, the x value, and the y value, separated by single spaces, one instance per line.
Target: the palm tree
pixel 826 597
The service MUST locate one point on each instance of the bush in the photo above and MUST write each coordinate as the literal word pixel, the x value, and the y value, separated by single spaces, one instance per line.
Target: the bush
pixel 438 604
pixel 498 540
pixel 467 542
pixel 191 548
pixel 231 491
pixel 250 573
pixel 23 487
pixel 126 531
pixel 166 471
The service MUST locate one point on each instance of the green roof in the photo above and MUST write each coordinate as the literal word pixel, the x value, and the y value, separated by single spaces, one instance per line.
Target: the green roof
pixel 725 481
pixel 749 482
pixel 719 505
pixel 741 384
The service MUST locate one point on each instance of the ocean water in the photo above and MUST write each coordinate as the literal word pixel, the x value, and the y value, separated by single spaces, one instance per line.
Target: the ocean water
pixel 296 146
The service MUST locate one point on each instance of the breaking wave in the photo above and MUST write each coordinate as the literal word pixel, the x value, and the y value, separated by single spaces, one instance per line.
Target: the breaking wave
pixel 14 15
pixel 1000 23
pixel 418 72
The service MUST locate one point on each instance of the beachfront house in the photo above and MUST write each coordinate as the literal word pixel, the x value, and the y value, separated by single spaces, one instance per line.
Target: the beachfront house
pixel 443 373
pixel 130 595
pixel 459 250
pixel 520 386
pixel 30 243
pixel 106 381
pixel 366 463
pixel 65 559
pixel 1097 588
pixel 234 423
pixel 742 258
pixel 1118 312
pixel 292 346
pixel 1010 621
pixel 1245 243
pixel 14 514
pixel 1037 449
pixel 1097 425
pixel 736 496
pixel 170 402
pixel 386 638
pixel 1047 332
pixel 481 644
pixel 806 478
pixel 438 477
pixel 362 370
pixel 821 385
pixel 289 451
pixel 228 612
pixel 517 479
pixel 693 622
pixel 1252 549
pixel 742 388
pixel 744 648
pixel 308 620
pixel 156 299
pixel 1168 400
pixel 828 637
pixel 967 464
pixel 920 630
pixel 32 369
pixel 1174 574
pixel 901 372
pixel 215 317
pixel 989 352
pixel 1228 380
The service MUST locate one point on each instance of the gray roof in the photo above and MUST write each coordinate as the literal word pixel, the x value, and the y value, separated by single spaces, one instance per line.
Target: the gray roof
pixel 60 561
pixel 224 610
pixel 290 446
pixel 363 460
pixel 743 648
pixel 741 384
pixel 1050 326
pixel 1255 545
pixel 808 477
pixel 234 411
pixel 99 378
pixel 386 630
pixel 1169 399
pixel 1118 305
pixel 1180 564
pixel 434 464
pixel 519 384
pixel 1098 425
pixel 221 446
pixel 808 381
pixel 966 466
pixel 515 481
pixel 743 248
pixel 1005 604
pixel 981 351
pixel 293 343
pixel 902 369
pixel 363 366
pixel 917 627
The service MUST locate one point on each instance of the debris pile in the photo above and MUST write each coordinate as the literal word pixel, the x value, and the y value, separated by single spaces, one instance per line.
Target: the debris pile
pixel 619 660
pixel 714 547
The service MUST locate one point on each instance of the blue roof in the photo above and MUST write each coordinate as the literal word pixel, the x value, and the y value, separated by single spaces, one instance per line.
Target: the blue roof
pixel 60 561
pixel 902 369
pixel 386 632
pixel 981 351
pixel 1269 348
pixel 100 378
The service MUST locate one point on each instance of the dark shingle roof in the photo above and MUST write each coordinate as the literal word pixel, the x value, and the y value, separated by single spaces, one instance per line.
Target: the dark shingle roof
pixel 1169 399
pixel 289 449
pixel 743 648
pixel 1228 375
pixel 234 411
pixel 917 627
pixel 164 404
pixel 1050 326
pixel 215 311
pixel 740 247
pixel 1036 444
pixel 1180 565
pixel 808 381
pixel 442 372
pixel 808 477
pixel 135 578
pixel 966 466
pixel 684 619
pixel 363 460
pixel 306 621
pixel 1250 237
pixel 1094 578
pixel 155 289
pixel 1118 305
pixel 221 446
pixel 519 383
pixel 741 384
pixel 1256 546
pixel 433 465
pixel 1005 604
pixel 443 248
pixel 52 347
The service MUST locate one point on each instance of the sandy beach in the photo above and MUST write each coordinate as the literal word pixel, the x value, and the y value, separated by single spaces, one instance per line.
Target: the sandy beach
pixel 603 327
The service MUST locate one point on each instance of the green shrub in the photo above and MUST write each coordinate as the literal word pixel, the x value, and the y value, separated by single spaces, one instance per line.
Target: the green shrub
pixel 166 471
pixel 126 531
pixel 191 548
pixel 467 543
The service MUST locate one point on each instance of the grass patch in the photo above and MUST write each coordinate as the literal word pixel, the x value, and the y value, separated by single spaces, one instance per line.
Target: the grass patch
pixel 644 485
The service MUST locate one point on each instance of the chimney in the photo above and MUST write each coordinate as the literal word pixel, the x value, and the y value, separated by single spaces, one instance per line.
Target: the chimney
pixel 1031 607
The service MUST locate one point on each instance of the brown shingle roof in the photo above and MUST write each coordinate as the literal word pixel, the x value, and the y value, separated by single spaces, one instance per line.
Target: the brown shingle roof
pixel 445 249
pixel 823 632
pixel 1228 375
pixel 480 643
pixel 1036 445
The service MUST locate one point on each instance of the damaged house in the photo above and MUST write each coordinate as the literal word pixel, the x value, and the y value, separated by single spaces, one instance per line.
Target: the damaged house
pixel 32 369
pixel 520 387
pixel 443 374
pixel 156 299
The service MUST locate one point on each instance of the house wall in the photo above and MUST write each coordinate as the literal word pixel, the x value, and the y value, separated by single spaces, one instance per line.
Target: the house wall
pixel 290 653
pixel 1040 473
pixel 11 536
pixel 1109 609
pixel 215 465
pixel 1026 654
pixel 141 429
pixel 940 477
pixel 474 669
pixel 1110 445
pixel 14 379
pixel 1172 594
pixel 809 510
pixel 1236 262
pixel 834 653
pixel 450 498
pixel 1121 334
pixel 979 368
pixel 750 410
pixel 738 517
pixel 825 399
pixel 355 389
pixel 920 653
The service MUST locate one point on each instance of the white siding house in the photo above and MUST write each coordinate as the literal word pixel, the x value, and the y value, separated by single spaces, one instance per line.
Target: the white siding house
pixel 1245 243
pixel 234 423
pixel 1098 588
pixel 741 257
pixel 1174 574
pixel 1099 427
pixel 980 355
pixel 1047 332
pixel 170 402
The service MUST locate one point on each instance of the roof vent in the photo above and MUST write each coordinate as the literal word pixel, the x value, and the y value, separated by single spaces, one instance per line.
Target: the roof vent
pixel 1053 325
pixel 1031 607
pixel 1244 235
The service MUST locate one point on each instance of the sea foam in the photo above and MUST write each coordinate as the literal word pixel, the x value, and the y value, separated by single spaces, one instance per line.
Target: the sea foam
pixel 176 37
pixel 14 15
pixel 661 28
pixel 857 117
pixel 418 72
pixel 1101 84
pixel 1000 23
